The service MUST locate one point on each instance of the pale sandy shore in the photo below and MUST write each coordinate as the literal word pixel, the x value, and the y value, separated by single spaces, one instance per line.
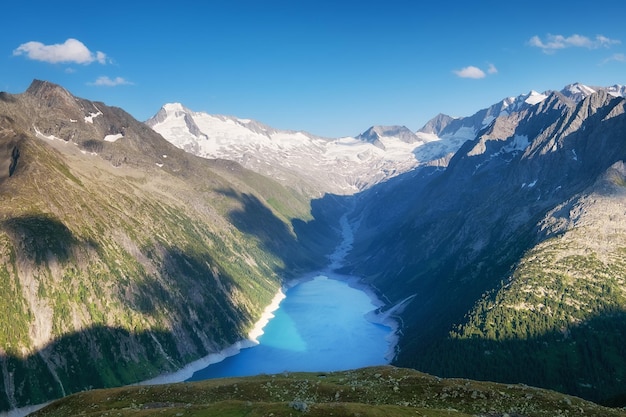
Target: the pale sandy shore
pixel 252 340
pixel 187 371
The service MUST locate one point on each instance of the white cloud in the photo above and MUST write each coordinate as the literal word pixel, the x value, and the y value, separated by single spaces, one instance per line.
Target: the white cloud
pixel 615 57
pixel 470 72
pixel 71 51
pixel 552 43
pixel 105 81
pixel 492 69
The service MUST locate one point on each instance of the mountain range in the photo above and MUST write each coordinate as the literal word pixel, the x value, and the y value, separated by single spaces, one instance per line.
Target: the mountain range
pixel 513 252
pixel 129 249
pixel 300 160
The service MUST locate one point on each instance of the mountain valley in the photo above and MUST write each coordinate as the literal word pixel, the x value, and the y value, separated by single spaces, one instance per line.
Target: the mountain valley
pixel 504 242
pixel 130 249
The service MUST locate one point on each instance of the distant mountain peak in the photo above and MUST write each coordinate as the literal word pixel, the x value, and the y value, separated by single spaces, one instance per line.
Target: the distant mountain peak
pixel 375 133
pixel 535 97
pixel 53 95
pixel 343 165
pixel 577 91
pixel 617 90
pixel 175 107
pixel 39 87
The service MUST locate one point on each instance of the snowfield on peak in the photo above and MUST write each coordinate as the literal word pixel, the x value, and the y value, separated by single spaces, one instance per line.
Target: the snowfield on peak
pixel 341 166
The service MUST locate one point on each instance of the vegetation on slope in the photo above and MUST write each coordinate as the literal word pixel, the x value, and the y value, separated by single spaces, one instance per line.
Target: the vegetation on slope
pixel 377 391
pixel 558 320
pixel 122 265
pixel 513 257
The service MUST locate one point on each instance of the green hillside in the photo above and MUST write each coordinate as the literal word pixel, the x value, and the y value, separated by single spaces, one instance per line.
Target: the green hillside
pixel 116 268
pixel 378 391
pixel 558 320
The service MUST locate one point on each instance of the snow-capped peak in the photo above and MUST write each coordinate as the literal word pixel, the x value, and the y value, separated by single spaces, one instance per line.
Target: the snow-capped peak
pixel 514 103
pixel 173 108
pixel 577 91
pixel 617 90
pixel 343 165
pixel 375 133
pixel 534 98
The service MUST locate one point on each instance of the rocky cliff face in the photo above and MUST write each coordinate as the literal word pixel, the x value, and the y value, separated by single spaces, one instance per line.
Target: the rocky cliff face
pixel 121 256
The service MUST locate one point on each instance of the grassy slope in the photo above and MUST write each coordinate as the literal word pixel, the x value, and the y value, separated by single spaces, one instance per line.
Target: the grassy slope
pixel 114 274
pixel 377 391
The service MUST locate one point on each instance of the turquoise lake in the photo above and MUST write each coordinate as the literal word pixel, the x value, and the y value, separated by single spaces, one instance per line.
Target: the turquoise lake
pixel 321 325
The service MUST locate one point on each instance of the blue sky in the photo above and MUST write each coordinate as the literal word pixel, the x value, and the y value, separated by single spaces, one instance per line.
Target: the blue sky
pixel 332 68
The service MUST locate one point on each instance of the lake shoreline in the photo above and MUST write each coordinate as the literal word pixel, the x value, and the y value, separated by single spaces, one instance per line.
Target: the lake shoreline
pixel 188 370
pixel 335 262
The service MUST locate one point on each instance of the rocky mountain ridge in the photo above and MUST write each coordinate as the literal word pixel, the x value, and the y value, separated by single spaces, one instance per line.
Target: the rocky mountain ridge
pixel 459 239
pixel 342 166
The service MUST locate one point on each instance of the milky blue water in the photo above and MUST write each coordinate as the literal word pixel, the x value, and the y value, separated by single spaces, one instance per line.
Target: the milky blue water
pixel 319 326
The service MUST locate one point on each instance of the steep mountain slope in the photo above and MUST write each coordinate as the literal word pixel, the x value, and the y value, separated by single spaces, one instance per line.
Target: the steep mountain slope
pixel 488 262
pixel 300 160
pixel 121 256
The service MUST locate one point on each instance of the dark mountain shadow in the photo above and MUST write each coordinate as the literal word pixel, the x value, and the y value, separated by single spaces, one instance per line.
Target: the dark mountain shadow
pixel 304 248
pixel 256 219
pixel 587 360
pixel 111 361
pixel 322 234
pixel 207 290
pixel 41 236
pixel 6 97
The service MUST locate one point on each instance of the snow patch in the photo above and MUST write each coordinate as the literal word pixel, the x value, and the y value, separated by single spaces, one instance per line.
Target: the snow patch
pixel 173 107
pixel 427 137
pixel 113 138
pixel 89 119
pixel 519 143
pixel 487 120
pixel 531 185
pixel 535 98
pixel 48 137
pixel 465 132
